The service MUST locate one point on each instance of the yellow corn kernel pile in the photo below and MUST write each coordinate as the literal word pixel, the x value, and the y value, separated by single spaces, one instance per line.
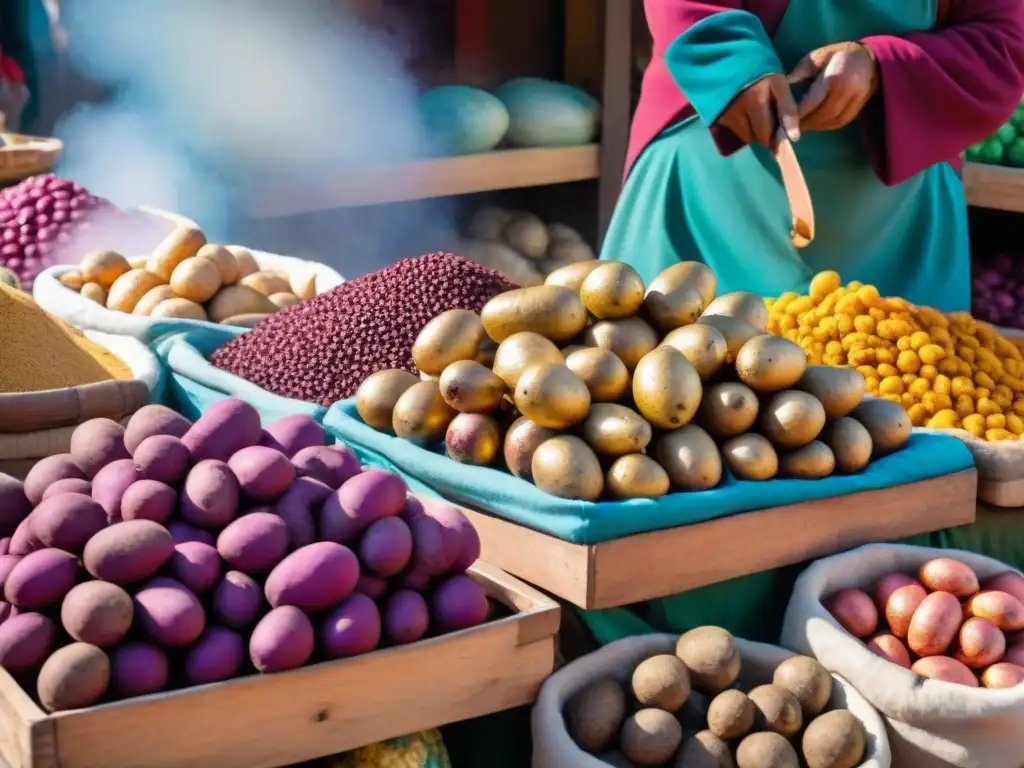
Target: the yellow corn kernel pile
pixel 948 371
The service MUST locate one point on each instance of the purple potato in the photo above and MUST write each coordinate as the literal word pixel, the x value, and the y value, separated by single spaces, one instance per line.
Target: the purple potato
pixel 139 669
pixel 41 579
pixel 182 532
pixel 417 579
pixel 14 504
pixel 406 617
pixel 67 521
pixel 332 465
pixel 7 611
pixel 313 578
pixel 110 483
pixel 263 473
pixel 128 552
pixel 47 472
pixel 269 441
pixel 254 543
pixel 152 420
pixel 298 506
pixel 210 496
pixel 433 548
pixel 293 433
pixel 458 528
pixel 69 485
pixel 352 628
pixel 458 603
pixel 97 612
pixel 24 539
pixel 196 565
pixel 163 458
pixel 282 640
pixel 218 655
pixel 149 500
pixel 96 443
pixel 5 545
pixel 25 641
pixel 373 587
pixel 168 613
pixel 363 499
pixel 7 563
pixel 386 547
pixel 225 428
pixel 238 600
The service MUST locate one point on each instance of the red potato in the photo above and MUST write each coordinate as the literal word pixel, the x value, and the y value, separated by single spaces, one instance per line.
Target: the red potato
pixel 225 428
pixel 67 521
pixel 900 607
pixel 110 483
pixel 148 500
pixel 332 465
pixel 354 627
pixel 981 644
pixel 360 501
pixel 168 613
pixel 946 669
pixel 14 504
pixel 1010 582
pixel 889 584
pixel 97 612
pixel 263 473
pixel 41 579
pixel 1002 675
pixel 1015 652
pixel 283 640
pixel 889 647
pixel 163 458
pixel 25 641
pixel 96 443
pixel 152 420
pixel 69 485
pixel 47 472
pixel 1001 608
pixel 935 624
pixel 209 498
pixel 855 611
pixel 139 669
pixel 128 552
pixel 943 574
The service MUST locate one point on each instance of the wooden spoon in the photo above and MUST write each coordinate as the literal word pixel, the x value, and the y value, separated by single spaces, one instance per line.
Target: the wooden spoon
pixel 796 191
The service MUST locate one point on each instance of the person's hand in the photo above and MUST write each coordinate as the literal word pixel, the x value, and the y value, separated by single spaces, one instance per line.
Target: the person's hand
pixel 754 116
pixel 845 78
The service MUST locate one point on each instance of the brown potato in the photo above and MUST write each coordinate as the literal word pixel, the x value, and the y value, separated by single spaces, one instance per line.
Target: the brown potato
pixel 469 387
pixel 690 457
pixel 661 681
pixel 74 677
pixel 552 396
pixel 839 390
pixel 679 294
pixel 766 750
pixel 948 575
pixel 776 709
pixel 238 300
pixel 246 261
pixel 226 263
pixel 521 442
pixel 837 739
pixel 104 267
pixel 571 276
pixel 888 424
pixel 378 394
pixel 615 430
pixel 850 443
pixel 179 308
pixel 750 457
pixel 95 292
pixel 605 375
pixel 769 364
pixel 806 679
pixel 946 669
pixel 266 282
pixel 666 388
pixel 183 243
pixel 792 419
pixel 565 466
pixel 451 336
pixel 152 298
pixel 934 625
pixel 736 333
pixel 520 351
pixel 711 656
pixel 629 339
pixel 731 715
pixel 421 415
pixel 126 291
pixel 636 476
pixel 553 312
pixel 72 279
pixel 196 279
pixel 612 290
pixel 748 307
pixel 703 345
pixel 810 462
pixel 727 409
pixel 250 320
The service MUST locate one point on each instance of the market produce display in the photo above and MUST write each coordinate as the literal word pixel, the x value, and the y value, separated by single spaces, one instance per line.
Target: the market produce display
pixel 167 554
pixel 186 277
pixel 947 371
pixel 1005 146
pixel 600 385
pixel 944 624
pixel 323 349
pixel 49 353
pixel 685 709
pixel 997 291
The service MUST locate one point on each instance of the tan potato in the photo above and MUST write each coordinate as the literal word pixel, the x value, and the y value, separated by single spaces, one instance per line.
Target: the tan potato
pixel 835 740
pixel 810 462
pixel 519 351
pixel 488 349
pixel 95 292
pixel 246 321
pixel 303 284
pixel 284 300
pixel 126 291
pixel 266 282
pixel 564 253
pixel 487 223
pixel 751 457
pixel 451 336
pixel 469 387
pixel 235 300
pixel 179 308
pixel 666 388
pixel 766 750
pixel 246 261
pixel 636 476
pixel 776 709
pixel 731 715
pixel 612 290
pixel 850 443
pixel 552 396
pixel 571 276
pixel 505 259
pixel 197 280
pixel 748 307
pixel 74 677
pixel 139 262
pixel 650 736
pixel 839 390
pixel 563 233
pixel 691 459
pixel 104 267
pixel 792 419
pixel 769 364
pixel 736 333
pixel 678 295
pixel 604 374
pixel 703 345
pixel 151 298
pixel 553 312
pixel 226 263
pixel 728 409
pixel 806 679
pixel 594 715
pixel 887 423
pixel 615 430
pixel 527 234
pixel 629 339
pixel 421 415
pixel 72 279
pixel 661 681
pixel 565 466
pixel 183 243
pixel 378 394
pixel 711 656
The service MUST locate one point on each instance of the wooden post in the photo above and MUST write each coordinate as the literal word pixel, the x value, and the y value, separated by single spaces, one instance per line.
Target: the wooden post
pixel 616 101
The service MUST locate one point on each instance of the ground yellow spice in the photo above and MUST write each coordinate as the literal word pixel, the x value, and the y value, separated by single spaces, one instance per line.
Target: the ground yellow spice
pixel 39 351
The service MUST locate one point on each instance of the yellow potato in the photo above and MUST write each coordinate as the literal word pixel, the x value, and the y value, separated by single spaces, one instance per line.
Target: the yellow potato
pixel 95 292
pixel 246 261
pixel 285 300
pixel 225 261
pixel 72 279
pixel 104 267
pixel 197 280
pixel 130 287
pixel 266 282
pixel 303 284
pixel 179 308
pixel 152 297
pixel 554 312
pixel 239 300
pixel 183 243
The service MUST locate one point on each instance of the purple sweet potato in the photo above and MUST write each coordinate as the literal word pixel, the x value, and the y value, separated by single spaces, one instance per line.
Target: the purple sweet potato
pixel 298 508
pixel 24 539
pixel 47 472
pixel 25 641
pixel 152 420
pixel 282 640
pixel 182 532
pixel 332 465
pixel 433 549
pixel 110 483
pixel 458 603
pixel 254 543
pixel 263 473
pixel 163 458
pixel 196 565
pixel 293 433
pixel 128 552
pixel 351 628
pixel 217 656
pixel 67 521
pixel 457 528
pixel 148 500
pixel 386 547
pixel 97 612
pixel 7 611
pixel 7 563
pixel 313 578
pixel 363 499
pixel 96 443
pixel 70 485
pixel 14 504
pixel 238 600
pixel 41 579
pixel 225 428
pixel 139 669
pixel 406 617
pixel 373 587
pixel 417 579
pixel 5 545
pixel 210 496
pixel 168 613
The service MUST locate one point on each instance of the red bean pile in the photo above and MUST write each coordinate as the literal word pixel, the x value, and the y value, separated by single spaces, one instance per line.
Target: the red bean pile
pixel 321 350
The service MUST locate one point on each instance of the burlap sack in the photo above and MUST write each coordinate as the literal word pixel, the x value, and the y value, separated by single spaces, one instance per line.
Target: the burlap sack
pixel 931 723
pixel 554 748
pixel 1000 467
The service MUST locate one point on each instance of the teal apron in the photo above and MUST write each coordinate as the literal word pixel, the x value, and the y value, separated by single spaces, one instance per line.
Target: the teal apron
pixel 684 201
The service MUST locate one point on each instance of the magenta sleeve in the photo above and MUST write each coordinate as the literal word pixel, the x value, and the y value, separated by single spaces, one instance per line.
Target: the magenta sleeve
pixel 944 90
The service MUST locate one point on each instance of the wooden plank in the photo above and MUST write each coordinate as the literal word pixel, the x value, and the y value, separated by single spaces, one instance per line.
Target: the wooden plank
pixel 616 105
pixel 26 734
pixel 443 177
pixel 994 187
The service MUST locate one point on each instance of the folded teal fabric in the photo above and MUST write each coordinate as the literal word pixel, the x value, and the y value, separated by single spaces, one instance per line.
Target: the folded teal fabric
pixel 194 383
pixel 496 491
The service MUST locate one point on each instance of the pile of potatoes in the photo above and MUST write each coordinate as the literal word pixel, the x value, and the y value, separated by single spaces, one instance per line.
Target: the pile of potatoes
pixel 944 624
pixel 520 245
pixel 168 554
pixel 594 385
pixel 685 710
pixel 188 278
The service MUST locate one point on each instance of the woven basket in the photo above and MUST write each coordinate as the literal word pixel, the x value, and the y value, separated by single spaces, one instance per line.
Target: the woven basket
pixel 25 156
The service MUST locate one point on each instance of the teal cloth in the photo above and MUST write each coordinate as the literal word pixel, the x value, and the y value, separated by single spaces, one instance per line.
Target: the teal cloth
pixel 926 456
pixel 195 383
pixel 684 201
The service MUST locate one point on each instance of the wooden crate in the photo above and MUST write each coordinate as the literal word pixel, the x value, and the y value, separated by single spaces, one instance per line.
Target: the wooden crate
pixel 285 718
pixel 651 565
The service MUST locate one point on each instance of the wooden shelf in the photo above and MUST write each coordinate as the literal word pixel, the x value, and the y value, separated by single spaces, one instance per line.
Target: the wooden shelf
pixel 443 177
pixel 994 187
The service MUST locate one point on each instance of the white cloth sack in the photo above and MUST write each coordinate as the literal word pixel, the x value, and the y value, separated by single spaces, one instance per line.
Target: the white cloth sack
pixel 58 299
pixel 931 722
pixel 553 747
pixel 136 355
